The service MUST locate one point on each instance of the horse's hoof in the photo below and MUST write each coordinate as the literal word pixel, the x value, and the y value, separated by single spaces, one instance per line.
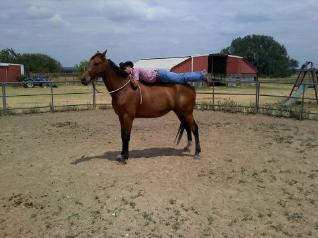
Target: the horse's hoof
pixel 196 157
pixel 186 149
pixel 121 159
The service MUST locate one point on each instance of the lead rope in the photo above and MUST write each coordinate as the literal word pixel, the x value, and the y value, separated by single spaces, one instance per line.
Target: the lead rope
pixel 140 93
pixel 116 90
pixel 120 87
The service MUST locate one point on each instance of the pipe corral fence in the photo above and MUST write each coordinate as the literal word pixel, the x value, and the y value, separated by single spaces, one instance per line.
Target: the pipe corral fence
pixel 248 96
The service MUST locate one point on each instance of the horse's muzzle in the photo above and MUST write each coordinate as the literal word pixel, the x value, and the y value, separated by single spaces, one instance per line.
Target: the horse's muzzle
pixel 85 78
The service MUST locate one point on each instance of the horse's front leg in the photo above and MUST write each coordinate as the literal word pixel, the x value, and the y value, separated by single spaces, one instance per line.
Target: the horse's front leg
pixel 126 124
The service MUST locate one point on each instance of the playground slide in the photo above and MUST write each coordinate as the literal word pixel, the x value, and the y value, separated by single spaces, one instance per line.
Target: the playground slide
pixel 296 95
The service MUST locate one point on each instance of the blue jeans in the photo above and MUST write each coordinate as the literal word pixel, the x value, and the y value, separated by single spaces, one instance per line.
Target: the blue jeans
pixel 165 76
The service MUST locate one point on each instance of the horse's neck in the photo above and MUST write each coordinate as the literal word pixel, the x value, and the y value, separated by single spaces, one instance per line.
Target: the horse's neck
pixel 112 80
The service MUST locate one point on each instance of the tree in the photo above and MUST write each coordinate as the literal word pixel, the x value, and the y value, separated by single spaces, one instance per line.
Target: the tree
pixel 39 63
pixel 8 56
pixel 80 68
pixel 269 56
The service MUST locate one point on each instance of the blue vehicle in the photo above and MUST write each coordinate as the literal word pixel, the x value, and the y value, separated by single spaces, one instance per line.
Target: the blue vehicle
pixel 40 82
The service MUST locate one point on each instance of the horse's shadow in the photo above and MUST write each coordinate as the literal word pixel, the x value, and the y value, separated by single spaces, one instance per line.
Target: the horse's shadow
pixel 135 154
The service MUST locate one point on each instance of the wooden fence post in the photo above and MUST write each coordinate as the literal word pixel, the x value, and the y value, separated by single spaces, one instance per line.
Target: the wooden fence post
pixel 258 85
pixel 94 95
pixel 4 98
pixel 52 100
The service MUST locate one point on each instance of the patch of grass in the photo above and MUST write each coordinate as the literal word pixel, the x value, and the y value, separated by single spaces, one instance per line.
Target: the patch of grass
pixel 278 227
pixel 194 210
pixel 232 221
pixel 210 219
pixel 206 173
pixel 294 217
pixel 132 204
pixel 282 203
pixel 148 217
pixel 95 215
pixel 139 194
pixel 124 201
pixel 176 225
pixel 247 217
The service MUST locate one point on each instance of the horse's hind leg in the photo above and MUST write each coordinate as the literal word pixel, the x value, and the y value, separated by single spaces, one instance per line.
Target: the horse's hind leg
pixel 184 125
pixel 195 129
pixel 188 146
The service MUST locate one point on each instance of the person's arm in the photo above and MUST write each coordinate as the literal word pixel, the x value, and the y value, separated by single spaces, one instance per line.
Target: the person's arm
pixel 135 74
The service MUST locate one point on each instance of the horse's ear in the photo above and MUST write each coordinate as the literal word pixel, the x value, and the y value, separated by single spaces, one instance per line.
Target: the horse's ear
pixel 104 53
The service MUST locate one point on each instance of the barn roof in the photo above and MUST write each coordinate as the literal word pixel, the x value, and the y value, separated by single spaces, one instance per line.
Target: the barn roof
pixel 7 64
pixel 161 63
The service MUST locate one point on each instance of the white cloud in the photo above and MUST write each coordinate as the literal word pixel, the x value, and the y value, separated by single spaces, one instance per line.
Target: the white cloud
pixel 132 10
pixel 38 12
pixel 57 21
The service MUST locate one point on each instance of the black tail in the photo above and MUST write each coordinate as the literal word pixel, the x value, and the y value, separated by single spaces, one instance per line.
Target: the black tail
pixel 179 134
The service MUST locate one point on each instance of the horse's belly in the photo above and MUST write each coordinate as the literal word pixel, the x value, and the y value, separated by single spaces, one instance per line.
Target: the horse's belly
pixel 153 110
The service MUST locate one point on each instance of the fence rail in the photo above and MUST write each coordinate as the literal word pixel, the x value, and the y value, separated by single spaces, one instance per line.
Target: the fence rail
pixel 13 90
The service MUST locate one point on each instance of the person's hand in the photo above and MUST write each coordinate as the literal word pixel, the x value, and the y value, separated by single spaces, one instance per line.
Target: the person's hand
pixel 134 84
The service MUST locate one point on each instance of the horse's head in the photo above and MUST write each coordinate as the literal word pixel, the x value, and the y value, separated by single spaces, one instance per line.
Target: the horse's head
pixel 95 68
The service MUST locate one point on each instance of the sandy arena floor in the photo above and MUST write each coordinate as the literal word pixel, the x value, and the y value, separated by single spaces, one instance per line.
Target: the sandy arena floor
pixel 257 177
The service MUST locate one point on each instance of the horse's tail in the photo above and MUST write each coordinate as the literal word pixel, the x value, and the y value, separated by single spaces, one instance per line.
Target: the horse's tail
pixel 179 134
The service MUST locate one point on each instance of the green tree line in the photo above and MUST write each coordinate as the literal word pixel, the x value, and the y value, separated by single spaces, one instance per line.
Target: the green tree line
pixel 267 55
pixel 33 62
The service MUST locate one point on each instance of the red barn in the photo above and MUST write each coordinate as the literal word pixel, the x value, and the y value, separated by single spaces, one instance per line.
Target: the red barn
pixel 10 72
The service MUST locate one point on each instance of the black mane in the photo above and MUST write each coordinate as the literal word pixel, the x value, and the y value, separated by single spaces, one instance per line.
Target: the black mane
pixel 118 70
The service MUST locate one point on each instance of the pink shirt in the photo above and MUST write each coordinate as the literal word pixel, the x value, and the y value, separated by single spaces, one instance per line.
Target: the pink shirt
pixel 142 74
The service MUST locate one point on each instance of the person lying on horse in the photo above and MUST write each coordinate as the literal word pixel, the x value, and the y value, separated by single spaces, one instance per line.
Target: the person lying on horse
pixel 160 75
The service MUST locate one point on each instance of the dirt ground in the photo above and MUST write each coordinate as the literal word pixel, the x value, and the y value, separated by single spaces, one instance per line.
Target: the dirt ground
pixel 257 177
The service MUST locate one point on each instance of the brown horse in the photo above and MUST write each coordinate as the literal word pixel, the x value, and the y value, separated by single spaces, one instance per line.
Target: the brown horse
pixel 146 102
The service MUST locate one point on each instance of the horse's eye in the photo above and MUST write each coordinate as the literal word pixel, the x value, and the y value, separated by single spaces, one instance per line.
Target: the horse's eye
pixel 96 64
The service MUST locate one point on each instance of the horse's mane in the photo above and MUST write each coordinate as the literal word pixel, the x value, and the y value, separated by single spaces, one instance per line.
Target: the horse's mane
pixel 117 70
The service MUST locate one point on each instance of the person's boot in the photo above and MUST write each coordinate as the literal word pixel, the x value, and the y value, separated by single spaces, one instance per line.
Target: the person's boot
pixel 205 76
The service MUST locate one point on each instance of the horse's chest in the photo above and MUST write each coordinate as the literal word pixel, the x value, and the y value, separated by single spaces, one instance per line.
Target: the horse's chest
pixel 121 108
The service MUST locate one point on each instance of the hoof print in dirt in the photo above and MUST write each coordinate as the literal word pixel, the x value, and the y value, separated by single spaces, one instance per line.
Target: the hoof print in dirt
pixel 122 161
pixel 196 157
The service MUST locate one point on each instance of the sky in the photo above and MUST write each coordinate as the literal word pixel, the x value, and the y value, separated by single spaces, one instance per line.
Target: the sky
pixel 71 31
